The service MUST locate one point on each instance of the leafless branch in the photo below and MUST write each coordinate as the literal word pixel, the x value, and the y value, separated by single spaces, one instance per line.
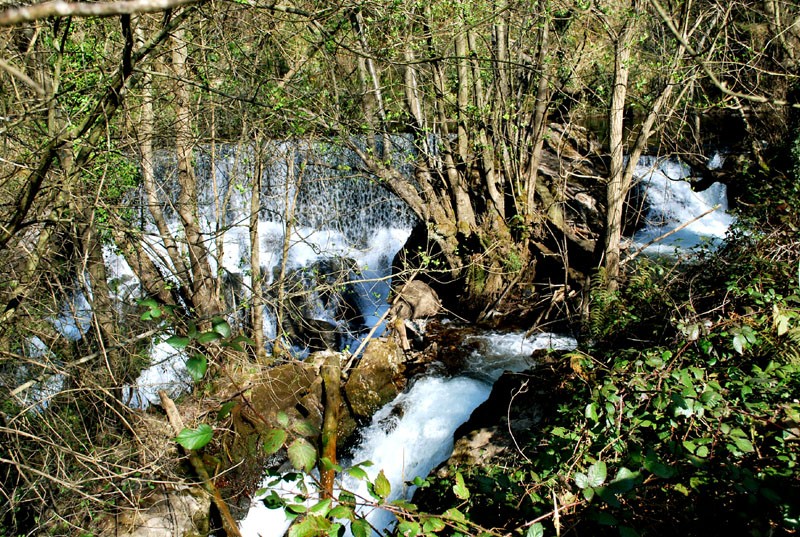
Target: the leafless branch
pixel 61 8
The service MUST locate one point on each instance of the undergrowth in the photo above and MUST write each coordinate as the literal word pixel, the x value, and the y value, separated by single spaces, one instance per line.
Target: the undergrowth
pixel 682 417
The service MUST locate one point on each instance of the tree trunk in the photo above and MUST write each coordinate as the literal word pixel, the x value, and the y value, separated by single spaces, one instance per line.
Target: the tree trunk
pixel 615 190
pixel 204 298
pixel 331 377
pixel 256 278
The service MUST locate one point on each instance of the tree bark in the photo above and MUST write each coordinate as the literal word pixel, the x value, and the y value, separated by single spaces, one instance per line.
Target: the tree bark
pixel 204 298
pixel 331 377
pixel 615 190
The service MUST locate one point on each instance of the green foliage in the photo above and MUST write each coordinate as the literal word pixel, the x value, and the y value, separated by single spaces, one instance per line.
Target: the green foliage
pixel 195 438
pixel 685 409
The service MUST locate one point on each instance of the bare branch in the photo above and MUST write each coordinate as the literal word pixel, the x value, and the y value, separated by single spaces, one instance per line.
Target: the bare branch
pixel 61 8
pixel 720 84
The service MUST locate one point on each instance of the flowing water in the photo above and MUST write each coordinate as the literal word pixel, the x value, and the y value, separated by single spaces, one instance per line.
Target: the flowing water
pixel 337 214
pixel 671 202
pixel 413 434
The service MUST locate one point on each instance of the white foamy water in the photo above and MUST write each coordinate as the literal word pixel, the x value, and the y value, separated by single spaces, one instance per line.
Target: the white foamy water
pixel 335 214
pixel 671 202
pixel 413 434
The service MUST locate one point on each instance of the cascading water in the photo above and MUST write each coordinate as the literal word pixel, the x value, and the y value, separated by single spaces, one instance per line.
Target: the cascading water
pixel 414 433
pixel 671 202
pixel 338 216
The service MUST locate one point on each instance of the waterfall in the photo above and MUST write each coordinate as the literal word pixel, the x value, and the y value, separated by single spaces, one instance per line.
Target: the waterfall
pixel 338 214
pixel 671 202
pixel 413 434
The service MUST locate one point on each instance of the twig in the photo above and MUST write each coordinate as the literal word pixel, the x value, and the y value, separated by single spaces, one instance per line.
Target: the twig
pixel 228 522
pixel 667 234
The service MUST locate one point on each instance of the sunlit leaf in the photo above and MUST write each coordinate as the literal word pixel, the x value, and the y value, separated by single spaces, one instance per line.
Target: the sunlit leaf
pixel 433 525
pixel 326 464
pixel 305 428
pixel 454 514
pixel 382 486
pixel 322 507
pixel 360 528
pixel 302 454
pixel 195 438
pixel 591 412
pixel 341 512
pixel 311 526
pixel 597 474
pixel 460 488
pixel 282 418
pixel 409 528
pixel 273 440
pixel 744 445
pixel 357 472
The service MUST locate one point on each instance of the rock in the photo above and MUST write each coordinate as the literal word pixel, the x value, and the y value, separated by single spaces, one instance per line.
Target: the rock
pixel 377 379
pixel 183 512
pixel 416 300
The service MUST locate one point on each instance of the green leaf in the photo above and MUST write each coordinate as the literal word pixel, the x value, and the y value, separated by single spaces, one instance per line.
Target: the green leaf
pixel 207 337
pixel 358 473
pixel 297 508
pixel 347 498
pixel 305 428
pixel 624 481
pixel 273 501
pixel 273 440
pixel 326 464
pixel 341 512
pixel 409 528
pixel 536 530
pixel 739 343
pixel 197 367
pixel 460 488
pixel 360 528
pixel 148 302
pixel 744 445
pixel 597 474
pixel 654 465
pixel 433 524
pixel 195 438
pixel 302 455
pixel 405 504
pixel 322 507
pixel 178 342
pixel 282 419
pixel 581 480
pixel 311 526
pixel 382 486
pixel 225 410
pixel 221 327
pixel 455 515
pixel 591 412
pixel 191 330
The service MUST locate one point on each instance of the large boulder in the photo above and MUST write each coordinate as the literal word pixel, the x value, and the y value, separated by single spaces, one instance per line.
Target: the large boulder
pixel 377 379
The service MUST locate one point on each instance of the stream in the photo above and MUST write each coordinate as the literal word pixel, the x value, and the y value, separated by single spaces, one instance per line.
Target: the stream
pixel 413 434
